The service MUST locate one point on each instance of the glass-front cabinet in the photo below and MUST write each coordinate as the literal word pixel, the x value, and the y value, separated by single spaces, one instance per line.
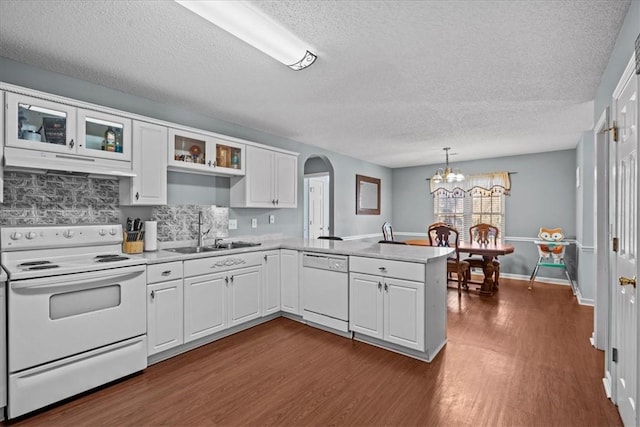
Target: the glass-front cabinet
pixel 199 153
pixel 38 124
pixel 104 135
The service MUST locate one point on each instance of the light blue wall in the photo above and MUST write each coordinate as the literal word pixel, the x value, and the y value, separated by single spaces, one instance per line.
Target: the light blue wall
pixel 542 194
pixel 191 188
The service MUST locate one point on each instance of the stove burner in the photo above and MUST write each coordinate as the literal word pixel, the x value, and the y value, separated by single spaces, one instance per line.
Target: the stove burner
pixel 112 258
pixel 107 256
pixel 43 267
pixel 30 263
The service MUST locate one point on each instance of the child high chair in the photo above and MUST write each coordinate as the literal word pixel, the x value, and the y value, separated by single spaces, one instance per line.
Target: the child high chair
pixel 551 249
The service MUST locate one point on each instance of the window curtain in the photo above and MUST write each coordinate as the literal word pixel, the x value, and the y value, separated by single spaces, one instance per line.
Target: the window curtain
pixel 485 184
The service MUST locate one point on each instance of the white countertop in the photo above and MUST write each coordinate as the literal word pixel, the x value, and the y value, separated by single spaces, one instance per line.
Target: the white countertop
pixel 421 254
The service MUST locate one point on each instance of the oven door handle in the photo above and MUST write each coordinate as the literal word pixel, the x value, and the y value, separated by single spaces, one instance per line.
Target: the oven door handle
pixel 87 280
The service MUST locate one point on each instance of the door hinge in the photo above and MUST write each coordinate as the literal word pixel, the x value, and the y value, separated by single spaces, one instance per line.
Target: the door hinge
pixel 614 354
pixel 615 244
pixel 613 129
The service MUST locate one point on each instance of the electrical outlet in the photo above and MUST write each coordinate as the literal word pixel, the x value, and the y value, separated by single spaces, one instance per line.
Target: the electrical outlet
pixel 272 219
pixel 233 224
pixel 254 223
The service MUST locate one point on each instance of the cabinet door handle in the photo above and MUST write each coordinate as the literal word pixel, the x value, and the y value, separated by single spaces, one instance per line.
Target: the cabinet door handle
pixel 277 201
pixel 273 202
pixel 379 286
pixel 209 163
pixel 231 279
pixel 166 272
pixel 226 280
pixel 386 288
pixel 137 195
pixel 71 144
pixel 153 295
pixel 265 258
pixel 214 164
pixel 382 269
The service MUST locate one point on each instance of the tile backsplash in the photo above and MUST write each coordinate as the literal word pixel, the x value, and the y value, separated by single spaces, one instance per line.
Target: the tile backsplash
pixel 58 199
pixel 180 222
pixel 65 199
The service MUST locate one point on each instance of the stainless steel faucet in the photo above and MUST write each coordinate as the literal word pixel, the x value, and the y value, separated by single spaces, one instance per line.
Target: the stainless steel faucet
pixel 200 233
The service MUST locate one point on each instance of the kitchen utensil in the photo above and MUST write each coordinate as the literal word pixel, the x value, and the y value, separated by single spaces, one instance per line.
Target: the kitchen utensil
pixel 137 224
pixel 129 224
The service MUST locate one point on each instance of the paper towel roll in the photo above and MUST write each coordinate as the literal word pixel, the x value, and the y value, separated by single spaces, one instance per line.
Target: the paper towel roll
pixel 150 236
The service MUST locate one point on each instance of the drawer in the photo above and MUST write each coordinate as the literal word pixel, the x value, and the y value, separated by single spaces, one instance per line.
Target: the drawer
pixel 200 266
pixel 163 272
pixel 382 267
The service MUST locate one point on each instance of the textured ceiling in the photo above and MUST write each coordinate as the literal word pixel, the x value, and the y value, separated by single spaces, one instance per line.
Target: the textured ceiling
pixel 394 83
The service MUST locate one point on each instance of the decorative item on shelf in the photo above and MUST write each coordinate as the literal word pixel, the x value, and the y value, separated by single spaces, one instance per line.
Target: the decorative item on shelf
pixel 222 156
pixel 235 160
pixel 109 142
pixel 195 152
pixel 55 130
pixel 447 174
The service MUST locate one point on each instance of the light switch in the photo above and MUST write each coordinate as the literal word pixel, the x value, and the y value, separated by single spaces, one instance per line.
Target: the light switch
pixel 272 219
pixel 233 224
pixel 254 222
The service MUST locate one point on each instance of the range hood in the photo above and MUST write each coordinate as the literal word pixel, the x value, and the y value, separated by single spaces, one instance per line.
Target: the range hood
pixel 35 161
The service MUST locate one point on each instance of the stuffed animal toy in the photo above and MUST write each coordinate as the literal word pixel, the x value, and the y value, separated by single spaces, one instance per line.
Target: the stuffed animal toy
pixel 551 235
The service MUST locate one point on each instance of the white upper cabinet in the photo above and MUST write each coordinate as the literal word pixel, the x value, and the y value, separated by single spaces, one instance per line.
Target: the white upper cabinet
pixel 45 134
pixel 1 150
pixel 271 180
pixel 104 135
pixel 200 153
pixel 149 186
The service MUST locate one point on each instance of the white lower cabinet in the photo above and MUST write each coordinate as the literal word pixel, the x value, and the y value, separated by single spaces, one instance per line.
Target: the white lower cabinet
pixel 289 283
pixel 244 290
pixel 164 307
pixel 388 308
pixel 271 282
pixel 225 297
pixel 205 305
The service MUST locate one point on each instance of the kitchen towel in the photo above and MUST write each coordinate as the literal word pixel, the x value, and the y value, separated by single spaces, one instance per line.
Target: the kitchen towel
pixel 150 236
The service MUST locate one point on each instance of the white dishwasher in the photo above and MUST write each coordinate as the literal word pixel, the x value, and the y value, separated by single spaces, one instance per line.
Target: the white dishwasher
pixel 325 290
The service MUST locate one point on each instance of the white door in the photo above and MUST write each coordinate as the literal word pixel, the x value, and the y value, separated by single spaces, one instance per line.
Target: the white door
pixel 316 208
pixel 164 316
pixel 204 306
pixel 244 294
pixel 271 282
pixel 289 283
pixel 404 313
pixel 625 300
pixel 149 187
pixel 365 305
pixel 286 180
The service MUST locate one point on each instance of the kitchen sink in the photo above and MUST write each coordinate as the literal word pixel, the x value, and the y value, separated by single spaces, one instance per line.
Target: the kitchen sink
pixel 194 249
pixel 212 248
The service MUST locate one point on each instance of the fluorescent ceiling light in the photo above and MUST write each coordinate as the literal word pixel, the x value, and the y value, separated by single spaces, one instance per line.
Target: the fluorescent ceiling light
pixel 250 25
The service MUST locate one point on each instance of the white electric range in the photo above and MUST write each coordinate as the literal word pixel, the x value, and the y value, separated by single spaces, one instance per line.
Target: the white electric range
pixel 76 311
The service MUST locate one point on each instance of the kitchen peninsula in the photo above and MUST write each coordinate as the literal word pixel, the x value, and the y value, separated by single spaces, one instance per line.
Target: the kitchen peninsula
pixel 392 296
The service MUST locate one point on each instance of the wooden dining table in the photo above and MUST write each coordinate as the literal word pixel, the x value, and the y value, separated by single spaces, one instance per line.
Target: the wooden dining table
pixel 488 253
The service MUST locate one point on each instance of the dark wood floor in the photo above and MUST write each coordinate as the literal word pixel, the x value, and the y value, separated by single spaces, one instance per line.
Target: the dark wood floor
pixel 519 358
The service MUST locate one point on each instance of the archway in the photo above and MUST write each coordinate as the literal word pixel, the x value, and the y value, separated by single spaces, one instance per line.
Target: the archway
pixel 318 197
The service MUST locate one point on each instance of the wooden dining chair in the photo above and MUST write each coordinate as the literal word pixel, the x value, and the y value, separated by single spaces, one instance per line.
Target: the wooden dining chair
pixel 483 234
pixel 387 231
pixel 443 235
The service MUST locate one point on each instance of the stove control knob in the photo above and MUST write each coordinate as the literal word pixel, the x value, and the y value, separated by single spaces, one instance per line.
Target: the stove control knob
pixel 30 235
pixel 102 232
pixel 68 234
pixel 113 232
pixel 16 235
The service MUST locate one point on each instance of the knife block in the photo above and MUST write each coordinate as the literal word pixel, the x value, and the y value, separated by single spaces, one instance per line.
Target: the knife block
pixel 132 247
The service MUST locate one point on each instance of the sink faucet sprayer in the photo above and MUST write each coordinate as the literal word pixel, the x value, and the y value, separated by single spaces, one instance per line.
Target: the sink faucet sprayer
pixel 200 233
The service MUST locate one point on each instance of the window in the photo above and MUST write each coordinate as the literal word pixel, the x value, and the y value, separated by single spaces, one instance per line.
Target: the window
pixel 482 201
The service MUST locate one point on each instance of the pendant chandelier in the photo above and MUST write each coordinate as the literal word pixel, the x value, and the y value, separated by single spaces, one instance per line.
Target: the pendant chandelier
pixel 447 174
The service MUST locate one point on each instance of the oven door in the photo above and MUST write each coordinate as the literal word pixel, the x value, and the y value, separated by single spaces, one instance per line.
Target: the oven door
pixel 54 317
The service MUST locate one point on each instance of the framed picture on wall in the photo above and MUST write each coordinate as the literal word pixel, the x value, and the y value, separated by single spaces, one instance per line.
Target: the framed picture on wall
pixel 367 195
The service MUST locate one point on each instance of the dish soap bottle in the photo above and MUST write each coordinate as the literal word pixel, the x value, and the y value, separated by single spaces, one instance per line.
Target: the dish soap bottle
pixel 109 139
